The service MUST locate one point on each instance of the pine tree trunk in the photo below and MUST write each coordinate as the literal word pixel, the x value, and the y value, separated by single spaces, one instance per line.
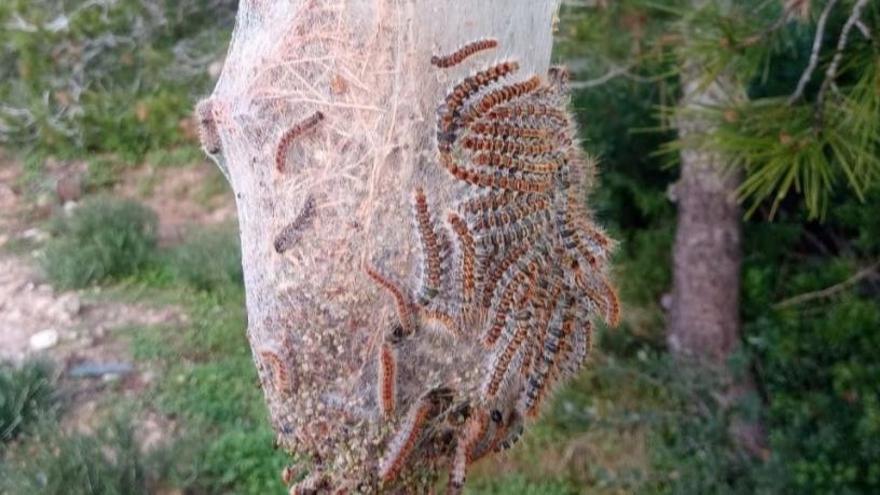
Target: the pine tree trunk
pixel 704 320
pixel 323 121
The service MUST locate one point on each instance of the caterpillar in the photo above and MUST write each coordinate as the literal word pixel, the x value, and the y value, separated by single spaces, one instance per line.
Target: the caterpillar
pixel 292 133
pixel 503 360
pixel 507 147
pixel 501 129
pixel 521 208
pixel 463 456
pixel 449 111
pixel 533 185
pixel 387 379
pixel 208 134
pixel 466 243
pixel 515 164
pixel 499 96
pixel 290 234
pixel 498 271
pixel 431 247
pixel 404 306
pixel 524 274
pixel 529 110
pixel 429 405
pixel 457 57
pixel 280 374
pixel 490 201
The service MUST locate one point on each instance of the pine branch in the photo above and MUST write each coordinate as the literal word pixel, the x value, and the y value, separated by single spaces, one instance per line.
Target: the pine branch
pixel 613 73
pixel 829 291
pixel 814 54
pixel 831 72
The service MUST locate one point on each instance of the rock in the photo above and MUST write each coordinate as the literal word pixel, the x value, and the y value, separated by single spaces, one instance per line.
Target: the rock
pixel 35 234
pixel 107 371
pixel 45 201
pixel 69 188
pixel 43 340
pixel 66 308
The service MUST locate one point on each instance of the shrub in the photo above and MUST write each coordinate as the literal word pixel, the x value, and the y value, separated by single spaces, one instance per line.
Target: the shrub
pixel 209 260
pixel 26 393
pixel 104 239
pixel 119 76
pixel 53 463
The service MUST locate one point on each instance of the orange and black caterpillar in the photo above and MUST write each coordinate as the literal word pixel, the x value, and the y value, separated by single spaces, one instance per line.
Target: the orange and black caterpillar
pixel 496 181
pixel 291 134
pixel 428 406
pixel 433 248
pixel 450 111
pixel 527 261
pixel 387 379
pixel 401 300
pixel 281 376
pixel 468 257
pixel 499 96
pixel 508 147
pixel 462 53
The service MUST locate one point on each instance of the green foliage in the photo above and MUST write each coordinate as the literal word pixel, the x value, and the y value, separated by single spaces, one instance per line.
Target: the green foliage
pixel 236 460
pixel 804 146
pixel 211 384
pixel 518 485
pixel 104 239
pixel 813 362
pixel 784 150
pixel 80 77
pixel 816 360
pixel 208 260
pixel 108 462
pixel 636 421
pixel 26 394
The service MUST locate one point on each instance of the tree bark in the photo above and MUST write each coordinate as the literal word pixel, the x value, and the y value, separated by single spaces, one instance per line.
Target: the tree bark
pixel 704 320
pixel 348 89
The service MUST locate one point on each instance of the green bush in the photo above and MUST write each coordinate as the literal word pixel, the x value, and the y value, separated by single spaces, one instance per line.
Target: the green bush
pixel 209 260
pixel 26 394
pixel 54 463
pixel 81 77
pixel 104 239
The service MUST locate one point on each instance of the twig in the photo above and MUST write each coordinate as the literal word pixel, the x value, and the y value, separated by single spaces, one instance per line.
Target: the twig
pixel 592 83
pixel 814 55
pixel 864 29
pixel 831 72
pixel 614 72
pixel 828 291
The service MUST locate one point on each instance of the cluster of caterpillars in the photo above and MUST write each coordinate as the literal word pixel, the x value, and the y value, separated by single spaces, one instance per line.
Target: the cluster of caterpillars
pixel 517 267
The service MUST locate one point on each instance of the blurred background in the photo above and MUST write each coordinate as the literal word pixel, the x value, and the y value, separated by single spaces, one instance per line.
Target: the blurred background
pixel 123 362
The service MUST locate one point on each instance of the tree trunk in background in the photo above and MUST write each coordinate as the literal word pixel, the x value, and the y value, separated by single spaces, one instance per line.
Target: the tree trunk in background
pixel 704 319
pixel 339 196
